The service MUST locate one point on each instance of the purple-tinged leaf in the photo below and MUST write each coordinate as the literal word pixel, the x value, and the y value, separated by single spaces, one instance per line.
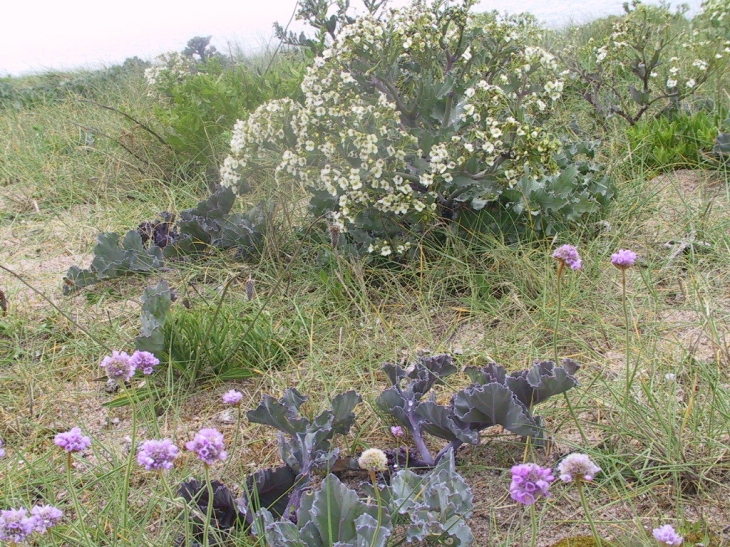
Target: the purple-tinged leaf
pixel 483 406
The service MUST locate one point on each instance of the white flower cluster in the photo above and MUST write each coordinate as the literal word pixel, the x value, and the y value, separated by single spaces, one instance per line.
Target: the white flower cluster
pixel 170 68
pixel 353 135
pixel 261 140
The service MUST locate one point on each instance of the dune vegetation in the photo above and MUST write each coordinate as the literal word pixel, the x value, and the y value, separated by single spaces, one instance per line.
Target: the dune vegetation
pixel 422 276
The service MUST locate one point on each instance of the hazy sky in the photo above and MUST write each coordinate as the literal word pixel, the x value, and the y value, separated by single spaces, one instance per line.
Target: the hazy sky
pixel 37 35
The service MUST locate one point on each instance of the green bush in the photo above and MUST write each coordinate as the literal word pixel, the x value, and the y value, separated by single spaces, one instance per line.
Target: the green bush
pixel 677 140
pixel 199 101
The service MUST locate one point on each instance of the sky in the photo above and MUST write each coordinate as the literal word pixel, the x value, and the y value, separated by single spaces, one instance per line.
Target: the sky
pixel 39 35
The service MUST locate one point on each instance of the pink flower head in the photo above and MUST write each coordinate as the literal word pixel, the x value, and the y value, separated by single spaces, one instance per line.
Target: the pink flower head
pixel 118 366
pixel 529 481
pixel 46 516
pixel 576 467
pixel 15 525
pixel 397 431
pixel 569 255
pixel 156 455
pixel 2 450
pixel 666 535
pixel 623 259
pixel 208 445
pixel 72 441
pixel 144 361
pixel 232 397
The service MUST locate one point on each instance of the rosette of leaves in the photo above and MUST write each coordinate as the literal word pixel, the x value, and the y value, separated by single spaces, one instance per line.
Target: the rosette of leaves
pixel 114 259
pixel 494 398
pixel 435 504
pixel 210 224
pixel 333 515
pixel 305 445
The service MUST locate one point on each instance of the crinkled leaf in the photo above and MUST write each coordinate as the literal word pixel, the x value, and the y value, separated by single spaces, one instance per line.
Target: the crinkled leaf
pixel 436 503
pixel 269 489
pixel 394 403
pixel 541 382
pixel 487 374
pixel 334 510
pixel 76 278
pixel 342 411
pixel 493 404
pixel 440 422
pixel 274 413
pixel 293 400
pixel 216 206
pixel 282 533
pixel 112 260
pixel 394 372
pixel 722 144
pixel 370 533
pixel 225 510
pixel 156 303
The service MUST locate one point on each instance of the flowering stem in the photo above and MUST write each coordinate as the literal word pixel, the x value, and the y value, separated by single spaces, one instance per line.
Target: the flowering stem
pixel 209 511
pixel 561 265
pixel 77 505
pixel 374 480
pixel 629 376
pixel 584 503
pixel 130 460
pixel 533 522
pixel 235 439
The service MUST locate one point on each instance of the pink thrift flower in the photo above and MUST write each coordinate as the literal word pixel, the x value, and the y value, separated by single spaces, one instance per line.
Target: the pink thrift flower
pixel 397 431
pixel 569 255
pixel 666 535
pixel 156 455
pixel 15 525
pixel 576 467
pixel 72 441
pixel 144 361
pixel 47 516
pixel 529 481
pixel 118 366
pixel 232 397
pixel 208 445
pixel 623 259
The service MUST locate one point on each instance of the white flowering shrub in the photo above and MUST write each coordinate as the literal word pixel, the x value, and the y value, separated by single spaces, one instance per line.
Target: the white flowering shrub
pixel 651 60
pixel 168 70
pixel 408 119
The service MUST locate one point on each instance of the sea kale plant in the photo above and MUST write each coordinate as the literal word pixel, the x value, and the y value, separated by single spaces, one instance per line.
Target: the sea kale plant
pixel 208 225
pixel 430 507
pixel 493 398
pixel 651 60
pixel 304 445
pixel 408 119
